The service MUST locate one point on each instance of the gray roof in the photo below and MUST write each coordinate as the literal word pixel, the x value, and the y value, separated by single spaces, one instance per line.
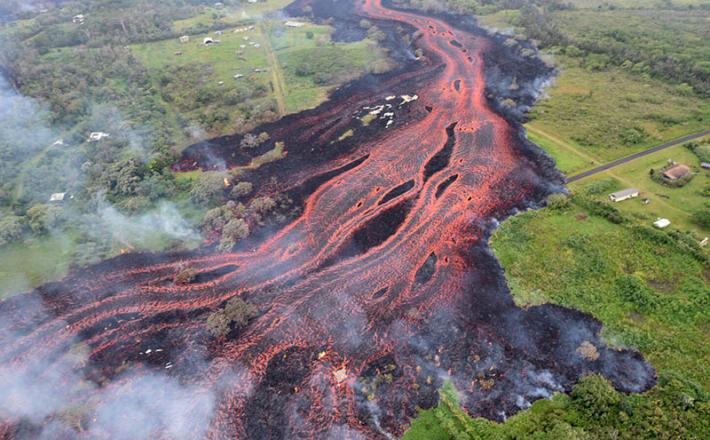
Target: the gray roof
pixel 624 193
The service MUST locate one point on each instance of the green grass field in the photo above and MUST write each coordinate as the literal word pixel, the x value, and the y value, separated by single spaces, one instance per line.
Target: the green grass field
pixel 281 50
pixel 31 263
pixel 593 117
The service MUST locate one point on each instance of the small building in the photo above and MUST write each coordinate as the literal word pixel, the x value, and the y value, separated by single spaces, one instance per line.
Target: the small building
pixel 294 24
pixel 207 41
pixel 97 136
pixel 78 19
pixel 185 39
pixel 57 197
pixel 624 194
pixel 676 172
pixel 218 33
pixel 238 75
pixel 662 223
pixel 705 165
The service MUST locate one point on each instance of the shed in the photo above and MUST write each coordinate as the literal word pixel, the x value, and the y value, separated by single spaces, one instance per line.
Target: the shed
pixel 207 41
pixel 57 197
pixel 185 39
pixel 624 194
pixel 662 223
pixel 97 136
pixel 705 165
pixel 676 172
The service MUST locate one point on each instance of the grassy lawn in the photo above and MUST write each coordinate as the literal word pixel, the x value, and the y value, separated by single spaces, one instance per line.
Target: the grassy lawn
pixel 605 115
pixel 210 16
pixel 281 51
pixel 29 264
pixel 676 204
pixel 567 259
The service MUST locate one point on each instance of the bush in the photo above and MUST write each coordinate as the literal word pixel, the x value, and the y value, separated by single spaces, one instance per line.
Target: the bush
pixel 10 229
pixel 241 189
pixel 43 218
pixel 234 315
pixel 557 201
pixel 185 276
pixel 634 291
pixel 235 230
pixel 208 189
pixel 701 218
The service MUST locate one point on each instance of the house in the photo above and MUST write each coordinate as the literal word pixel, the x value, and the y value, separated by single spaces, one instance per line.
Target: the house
pixel 185 39
pixel 705 165
pixel 676 172
pixel 662 223
pixel 97 136
pixel 57 197
pixel 624 194
pixel 78 19
pixel 294 24
pixel 207 41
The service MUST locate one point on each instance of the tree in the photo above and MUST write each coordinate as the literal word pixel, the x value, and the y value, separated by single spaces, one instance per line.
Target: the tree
pixel 41 218
pixel 10 229
pixel 208 189
pixel 596 398
pixel 234 315
pixel 557 201
pixel 249 141
pixel 235 230
pixel 241 189
pixel 701 218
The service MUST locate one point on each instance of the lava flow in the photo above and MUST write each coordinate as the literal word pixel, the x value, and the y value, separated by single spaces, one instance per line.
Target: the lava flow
pixel 381 290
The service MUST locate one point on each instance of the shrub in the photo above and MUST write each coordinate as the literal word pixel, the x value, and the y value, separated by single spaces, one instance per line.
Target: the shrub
pixel 634 291
pixel 42 218
pixel 234 315
pixel 208 188
pixel 10 229
pixel 701 218
pixel 241 189
pixel 557 201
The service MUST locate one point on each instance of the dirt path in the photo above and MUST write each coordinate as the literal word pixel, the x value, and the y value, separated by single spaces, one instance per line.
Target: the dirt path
pixel 635 156
pixel 561 143
pixel 276 72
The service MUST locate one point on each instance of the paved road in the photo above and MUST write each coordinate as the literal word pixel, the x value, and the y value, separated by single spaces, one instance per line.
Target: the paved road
pixel 626 159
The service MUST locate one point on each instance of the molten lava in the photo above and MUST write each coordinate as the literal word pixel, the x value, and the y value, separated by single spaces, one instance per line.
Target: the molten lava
pixel 378 292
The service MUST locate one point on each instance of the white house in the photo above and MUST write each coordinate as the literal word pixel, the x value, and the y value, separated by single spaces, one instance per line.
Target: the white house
pixel 662 223
pixel 624 194
pixel 97 136
pixel 185 39
pixel 57 197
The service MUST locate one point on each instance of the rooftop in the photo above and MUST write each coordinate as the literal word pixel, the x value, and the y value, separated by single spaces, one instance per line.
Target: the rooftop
pixel 676 172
